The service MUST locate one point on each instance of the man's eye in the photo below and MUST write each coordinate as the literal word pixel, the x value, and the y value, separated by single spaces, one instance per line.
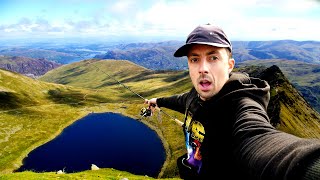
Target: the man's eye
pixel 193 59
pixel 213 58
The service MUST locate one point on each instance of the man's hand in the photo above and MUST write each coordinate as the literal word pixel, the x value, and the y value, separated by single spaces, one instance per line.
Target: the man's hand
pixel 152 103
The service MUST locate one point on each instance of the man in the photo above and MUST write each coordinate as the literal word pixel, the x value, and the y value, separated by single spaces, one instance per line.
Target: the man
pixel 226 126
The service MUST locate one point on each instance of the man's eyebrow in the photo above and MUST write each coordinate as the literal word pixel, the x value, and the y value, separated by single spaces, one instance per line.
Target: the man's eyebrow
pixel 208 53
pixel 193 54
pixel 211 52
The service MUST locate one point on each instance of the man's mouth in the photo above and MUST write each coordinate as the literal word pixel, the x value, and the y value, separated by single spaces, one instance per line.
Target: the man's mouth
pixel 205 85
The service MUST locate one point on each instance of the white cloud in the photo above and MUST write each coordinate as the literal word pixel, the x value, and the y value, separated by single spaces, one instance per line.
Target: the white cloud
pixel 121 7
pixel 275 29
pixel 242 20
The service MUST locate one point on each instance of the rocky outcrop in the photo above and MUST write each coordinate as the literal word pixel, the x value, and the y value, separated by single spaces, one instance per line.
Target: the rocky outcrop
pixel 27 66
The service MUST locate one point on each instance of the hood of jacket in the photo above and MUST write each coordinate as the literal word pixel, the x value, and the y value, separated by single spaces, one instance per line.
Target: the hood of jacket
pixel 242 85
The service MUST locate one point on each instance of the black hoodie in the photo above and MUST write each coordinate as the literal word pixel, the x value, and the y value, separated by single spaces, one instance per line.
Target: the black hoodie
pixel 230 135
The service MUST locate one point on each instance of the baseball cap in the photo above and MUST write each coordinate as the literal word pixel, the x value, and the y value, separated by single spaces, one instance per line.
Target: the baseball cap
pixel 205 34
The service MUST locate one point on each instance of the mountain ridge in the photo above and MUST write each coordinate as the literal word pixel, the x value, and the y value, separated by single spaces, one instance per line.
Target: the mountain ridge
pixel 304 77
pixel 286 103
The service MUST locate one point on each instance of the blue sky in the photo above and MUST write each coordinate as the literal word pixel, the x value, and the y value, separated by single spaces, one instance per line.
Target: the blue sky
pixel 168 19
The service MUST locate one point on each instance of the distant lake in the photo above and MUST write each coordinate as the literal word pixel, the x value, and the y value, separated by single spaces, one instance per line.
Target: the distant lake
pixel 108 140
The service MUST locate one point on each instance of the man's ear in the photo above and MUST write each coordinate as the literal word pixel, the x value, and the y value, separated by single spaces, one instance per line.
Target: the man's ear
pixel 231 64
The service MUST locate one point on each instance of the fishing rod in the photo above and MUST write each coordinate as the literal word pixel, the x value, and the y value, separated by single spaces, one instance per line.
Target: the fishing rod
pixel 144 111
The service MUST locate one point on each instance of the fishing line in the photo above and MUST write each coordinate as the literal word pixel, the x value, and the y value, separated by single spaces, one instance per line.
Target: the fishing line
pixel 118 81
pixel 175 119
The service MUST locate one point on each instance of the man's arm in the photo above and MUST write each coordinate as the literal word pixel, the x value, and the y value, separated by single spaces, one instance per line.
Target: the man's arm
pixel 266 152
pixel 175 102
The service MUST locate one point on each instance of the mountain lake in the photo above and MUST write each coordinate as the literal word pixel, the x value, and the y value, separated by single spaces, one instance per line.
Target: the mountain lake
pixel 107 140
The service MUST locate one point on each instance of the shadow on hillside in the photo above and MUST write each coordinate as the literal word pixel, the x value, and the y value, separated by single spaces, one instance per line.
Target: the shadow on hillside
pixel 74 98
pixel 70 74
pixel 122 77
pixel 71 98
pixel 146 93
pixel 177 77
pixel 9 100
pixel 109 81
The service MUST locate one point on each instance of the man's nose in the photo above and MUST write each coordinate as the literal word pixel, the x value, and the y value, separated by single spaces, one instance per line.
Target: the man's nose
pixel 203 66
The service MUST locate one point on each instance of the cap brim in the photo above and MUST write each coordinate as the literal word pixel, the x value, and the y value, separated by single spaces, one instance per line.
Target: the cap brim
pixel 183 50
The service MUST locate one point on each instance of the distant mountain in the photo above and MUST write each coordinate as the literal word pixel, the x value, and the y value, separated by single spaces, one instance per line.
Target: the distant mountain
pixel 57 55
pixel 27 66
pixel 305 51
pixel 155 56
pixel 159 55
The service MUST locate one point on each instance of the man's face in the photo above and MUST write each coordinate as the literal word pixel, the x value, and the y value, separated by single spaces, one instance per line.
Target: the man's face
pixel 209 69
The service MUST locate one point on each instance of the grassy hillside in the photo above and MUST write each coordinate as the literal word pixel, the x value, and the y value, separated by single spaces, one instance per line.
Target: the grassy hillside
pixel 104 74
pixel 305 77
pixel 39 110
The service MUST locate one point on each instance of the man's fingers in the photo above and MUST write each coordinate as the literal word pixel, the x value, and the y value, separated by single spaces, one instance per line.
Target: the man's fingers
pixel 146 101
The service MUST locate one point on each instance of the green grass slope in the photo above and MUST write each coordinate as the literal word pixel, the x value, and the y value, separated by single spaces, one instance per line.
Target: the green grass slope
pixel 106 75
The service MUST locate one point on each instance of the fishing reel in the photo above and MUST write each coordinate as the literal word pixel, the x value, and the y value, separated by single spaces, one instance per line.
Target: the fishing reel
pixel 145 112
